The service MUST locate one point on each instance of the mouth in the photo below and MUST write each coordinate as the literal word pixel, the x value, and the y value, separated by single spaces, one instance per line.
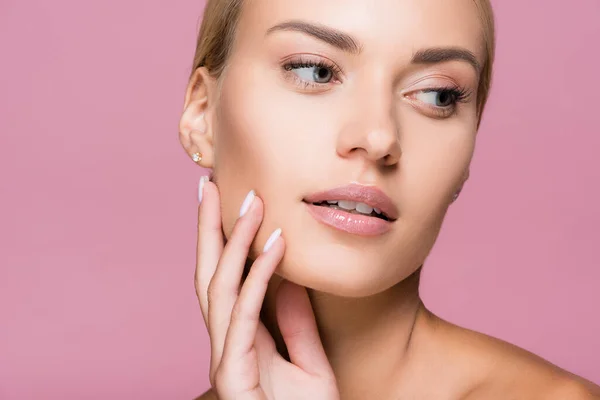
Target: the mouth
pixel 353 207
pixel 357 198
pixel 357 209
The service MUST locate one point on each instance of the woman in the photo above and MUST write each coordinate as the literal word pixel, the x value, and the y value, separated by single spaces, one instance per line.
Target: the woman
pixel 338 134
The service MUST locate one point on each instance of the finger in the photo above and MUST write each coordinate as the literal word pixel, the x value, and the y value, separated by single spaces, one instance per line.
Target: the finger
pixel 298 328
pixel 210 243
pixel 245 317
pixel 224 287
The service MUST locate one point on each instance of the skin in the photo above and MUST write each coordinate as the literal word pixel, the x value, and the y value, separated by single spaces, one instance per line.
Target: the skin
pixel 261 127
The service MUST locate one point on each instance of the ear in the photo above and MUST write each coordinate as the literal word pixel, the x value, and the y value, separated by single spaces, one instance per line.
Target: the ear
pixel 464 180
pixel 466 175
pixel 195 125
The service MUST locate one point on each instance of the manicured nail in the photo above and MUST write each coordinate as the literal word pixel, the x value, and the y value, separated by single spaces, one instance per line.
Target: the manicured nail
pixel 272 239
pixel 203 179
pixel 247 202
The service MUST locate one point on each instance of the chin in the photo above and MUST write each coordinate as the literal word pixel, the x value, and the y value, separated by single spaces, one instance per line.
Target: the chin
pixel 341 271
pixel 332 261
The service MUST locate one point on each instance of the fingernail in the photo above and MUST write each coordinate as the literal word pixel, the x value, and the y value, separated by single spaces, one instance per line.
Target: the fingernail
pixel 203 179
pixel 247 202
pixel 272 239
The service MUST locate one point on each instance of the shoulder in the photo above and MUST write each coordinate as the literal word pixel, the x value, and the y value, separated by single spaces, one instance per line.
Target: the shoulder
pixel 575 388
pixel 557 388
pixel 208 395
pixel 506 371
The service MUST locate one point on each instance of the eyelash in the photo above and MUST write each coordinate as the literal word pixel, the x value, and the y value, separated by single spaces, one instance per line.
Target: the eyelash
pixel 301 62
pixel 459 95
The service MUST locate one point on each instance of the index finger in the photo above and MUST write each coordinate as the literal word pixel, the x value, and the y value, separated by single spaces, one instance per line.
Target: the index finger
pixel 210 240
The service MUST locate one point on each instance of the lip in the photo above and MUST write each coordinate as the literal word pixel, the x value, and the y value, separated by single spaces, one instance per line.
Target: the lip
pixel 357 224
pixel 352 223
pixel 369 195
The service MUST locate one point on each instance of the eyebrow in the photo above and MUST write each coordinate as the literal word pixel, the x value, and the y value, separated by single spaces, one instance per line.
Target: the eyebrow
pixel 331 36
pixel 443 54
pixel 347 43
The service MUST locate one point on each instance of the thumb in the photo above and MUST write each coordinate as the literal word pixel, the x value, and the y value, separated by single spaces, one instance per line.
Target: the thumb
pixel 298 328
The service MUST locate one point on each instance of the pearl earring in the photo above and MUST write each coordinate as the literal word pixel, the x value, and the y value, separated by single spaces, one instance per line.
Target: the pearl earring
pixel 197 157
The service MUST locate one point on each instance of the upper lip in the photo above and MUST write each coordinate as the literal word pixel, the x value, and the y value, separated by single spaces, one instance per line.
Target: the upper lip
pixel 369 195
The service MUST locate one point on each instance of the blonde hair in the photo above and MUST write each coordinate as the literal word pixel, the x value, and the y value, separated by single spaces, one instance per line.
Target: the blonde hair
pixel 218 29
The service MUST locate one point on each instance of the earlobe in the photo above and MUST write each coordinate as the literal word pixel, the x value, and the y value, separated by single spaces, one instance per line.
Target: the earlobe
pixel 195 131
pixel 466 176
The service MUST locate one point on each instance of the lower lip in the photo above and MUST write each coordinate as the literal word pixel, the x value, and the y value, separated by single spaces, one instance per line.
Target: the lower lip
pixel 348 222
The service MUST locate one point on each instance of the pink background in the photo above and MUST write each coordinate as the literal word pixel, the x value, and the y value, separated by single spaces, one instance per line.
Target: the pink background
pixel 98 216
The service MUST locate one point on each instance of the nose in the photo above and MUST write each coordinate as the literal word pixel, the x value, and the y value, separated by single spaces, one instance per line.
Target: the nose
pixel 373 131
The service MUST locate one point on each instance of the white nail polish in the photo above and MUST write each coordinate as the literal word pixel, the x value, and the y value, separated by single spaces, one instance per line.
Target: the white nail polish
pixel 247 202
pixel 203 179
pixel 272 239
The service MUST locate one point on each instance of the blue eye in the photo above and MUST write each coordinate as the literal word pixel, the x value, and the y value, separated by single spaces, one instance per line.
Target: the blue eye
pixel 439 98
pixel 440 102
pixel 315 73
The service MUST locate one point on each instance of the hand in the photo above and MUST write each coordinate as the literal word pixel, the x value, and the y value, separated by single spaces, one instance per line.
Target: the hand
pixel 245 363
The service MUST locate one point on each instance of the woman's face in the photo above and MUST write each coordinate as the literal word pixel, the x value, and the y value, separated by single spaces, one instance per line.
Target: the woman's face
pixel 391 104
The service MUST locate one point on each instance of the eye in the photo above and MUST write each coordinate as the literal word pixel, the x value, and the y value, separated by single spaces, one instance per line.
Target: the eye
pixel 440 102
pixel 314 74
pixel 442 98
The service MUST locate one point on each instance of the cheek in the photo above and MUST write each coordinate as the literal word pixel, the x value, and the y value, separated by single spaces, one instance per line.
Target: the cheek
pixel 237 156
pixel 435 156
pixel 255 125
pixel 261 144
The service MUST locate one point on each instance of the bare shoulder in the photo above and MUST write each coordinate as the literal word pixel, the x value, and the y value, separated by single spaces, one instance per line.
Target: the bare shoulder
pixel 505 371
pixel 208 395
pixel 577 389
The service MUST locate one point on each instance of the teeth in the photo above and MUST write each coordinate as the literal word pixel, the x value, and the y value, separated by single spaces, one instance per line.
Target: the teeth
pixel 347 205
pixel 363 208
pixel 352 205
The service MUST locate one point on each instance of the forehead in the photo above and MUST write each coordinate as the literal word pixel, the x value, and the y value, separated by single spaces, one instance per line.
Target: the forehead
pixel 381 26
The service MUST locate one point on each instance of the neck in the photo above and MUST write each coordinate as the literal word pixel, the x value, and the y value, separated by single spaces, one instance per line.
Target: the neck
pixel 367 340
